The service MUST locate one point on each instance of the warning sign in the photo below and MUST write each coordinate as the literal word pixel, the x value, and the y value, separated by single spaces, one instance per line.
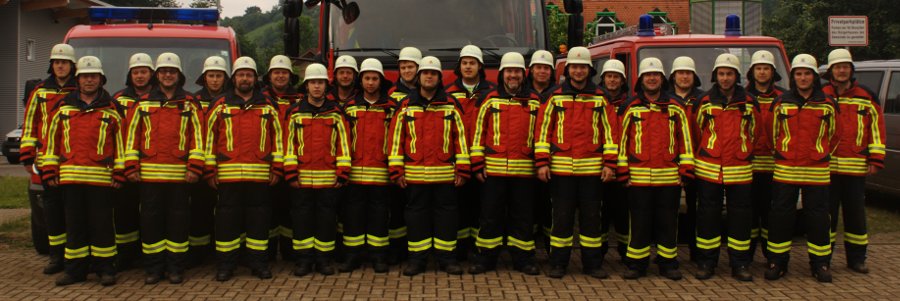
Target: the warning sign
pixel 848 30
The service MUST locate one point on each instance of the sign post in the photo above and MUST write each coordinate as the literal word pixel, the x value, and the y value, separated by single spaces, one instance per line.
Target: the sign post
pixel 848 31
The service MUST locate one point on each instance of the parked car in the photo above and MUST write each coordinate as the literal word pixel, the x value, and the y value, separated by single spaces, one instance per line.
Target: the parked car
pixel 10 148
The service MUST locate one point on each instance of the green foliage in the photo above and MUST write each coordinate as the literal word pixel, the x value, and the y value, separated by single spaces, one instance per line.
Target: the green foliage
pixel 558 24
pixel 261 34
pixel 13 192
pixel 802 26
pixel 144 3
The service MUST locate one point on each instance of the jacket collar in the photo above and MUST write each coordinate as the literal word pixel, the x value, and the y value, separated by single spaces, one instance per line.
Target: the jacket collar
pixel 102 100
pixel 50 82
pixel 257 98
pixel 157 94
pixel 589 88
pixel 716 96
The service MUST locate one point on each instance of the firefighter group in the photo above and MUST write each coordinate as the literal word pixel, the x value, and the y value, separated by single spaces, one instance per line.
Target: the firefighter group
pixel 345 168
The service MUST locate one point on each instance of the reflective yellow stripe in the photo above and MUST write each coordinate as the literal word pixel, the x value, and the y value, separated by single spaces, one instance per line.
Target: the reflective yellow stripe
pixel 818 250
pixel 153 248
pixel 77 253
pixel 779 248
pixel 856 239
pixel 740 245
pixel 377 241
pixel 103 251
pixel 304 244
pixel 354 241
pixel 257 244
pixel 666 252
pixel 57 240
pixel 489 243
pixel 561 242
pixel 638 253
pixel 590 242
pixel 196 241
pixel 226 246
pixel 419 246
pixel 521 244
pixel 323 246
pixel 444 245
pixel 709 244
pixel 125 238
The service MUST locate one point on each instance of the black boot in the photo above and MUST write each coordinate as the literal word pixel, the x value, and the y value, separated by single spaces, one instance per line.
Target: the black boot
pixel 56 264
pixel 325 265
pixel 379 260
pixel 67 279
pixel 351 262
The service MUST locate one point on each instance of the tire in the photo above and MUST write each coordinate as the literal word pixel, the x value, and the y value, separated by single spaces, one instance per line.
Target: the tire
pixel 13 159
pixel 38 225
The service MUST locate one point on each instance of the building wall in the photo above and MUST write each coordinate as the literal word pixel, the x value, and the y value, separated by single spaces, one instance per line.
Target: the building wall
pixel 9 102
pixel 628 11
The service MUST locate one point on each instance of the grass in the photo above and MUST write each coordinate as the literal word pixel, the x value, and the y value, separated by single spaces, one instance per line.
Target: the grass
pixel 13 192
pixel 16 234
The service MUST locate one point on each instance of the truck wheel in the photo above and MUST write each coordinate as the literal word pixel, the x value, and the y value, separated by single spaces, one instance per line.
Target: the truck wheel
pixel 14 159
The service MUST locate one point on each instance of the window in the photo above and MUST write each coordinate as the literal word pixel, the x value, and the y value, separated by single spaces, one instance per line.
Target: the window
pixel 29 50
pixel 892 99
pixel 598 65
pixel 870 79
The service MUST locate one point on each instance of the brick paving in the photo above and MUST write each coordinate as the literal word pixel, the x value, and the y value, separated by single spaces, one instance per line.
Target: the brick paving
pixel 22 280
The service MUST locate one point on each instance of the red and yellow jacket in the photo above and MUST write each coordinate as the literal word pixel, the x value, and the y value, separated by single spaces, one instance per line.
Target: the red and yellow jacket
pixel 656 147
pixel 690 103
pixel 804 133
pixel 369 139
pixel 763 161
pixel 861 121
pixel 243 139
pixel 469 102
pixel 284 100
pixel 428 143
pixel 725 137
pixel 38 111
pixel 165 137
pixel 503 143
pixel 577 133
pixel 84 142
pixel 399 91
pixel 317 149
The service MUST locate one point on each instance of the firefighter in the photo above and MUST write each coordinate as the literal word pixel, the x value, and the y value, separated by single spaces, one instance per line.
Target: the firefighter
pixel 139 82
pixel 243 158
pixel 761 80
pixel 541 80
pixel 38 112
pixel 84 157
pixel 408 68
pixel 614 210
pixel 213 81
pixel 367 205
pixel 345 85
pixel 163 152
pixel 726 121
pixel 576 143
pixel 469 89
pixel 279 85
pixel 860 153
pixel 541 74
pixel 430 160
pixel 654 154
pixel 684 86
pixel 317 165
pixel 804 133
pixel 502 159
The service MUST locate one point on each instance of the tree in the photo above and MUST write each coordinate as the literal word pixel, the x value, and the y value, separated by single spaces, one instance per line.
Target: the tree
pixel 144 3
pixel 802 26
pixel 206 4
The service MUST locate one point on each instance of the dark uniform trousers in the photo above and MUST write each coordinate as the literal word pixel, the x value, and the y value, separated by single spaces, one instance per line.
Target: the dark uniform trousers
pixel 127 220
pixel 397 248
pixel 654 218
pixel 165 220
pixel 280 233
pixel 815 220
pixel 55 219
pixel 584 194
pixel 739 217
pixel 90 230
pixel 507 211
pixel 243 214
pixel 469 208
pixel 367 211
pixel 762 203
pixel 203 203
pixel 431 217
pixel 849 193
pixel 614 214
pixel 314 217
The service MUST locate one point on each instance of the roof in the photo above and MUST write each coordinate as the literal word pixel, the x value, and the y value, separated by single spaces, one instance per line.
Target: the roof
pixel 694 38
pixel 158 30
pixel 878 64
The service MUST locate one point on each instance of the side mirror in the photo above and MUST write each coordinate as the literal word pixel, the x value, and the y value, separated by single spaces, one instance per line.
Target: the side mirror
pixel 291 8
pixel 574 6
pixel 291 37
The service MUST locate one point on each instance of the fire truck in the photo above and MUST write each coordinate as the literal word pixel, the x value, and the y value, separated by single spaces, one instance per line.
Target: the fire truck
pixel 115 33
pixel 376 29
pixel 631 45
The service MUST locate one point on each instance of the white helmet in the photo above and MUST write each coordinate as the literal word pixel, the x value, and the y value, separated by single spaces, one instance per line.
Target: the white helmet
pixel 63 52
pixel 613 65
pixel 839 55
pixel 244 62
pixel 649 65
pixel 804 61
pixel 411 54
pixel 471 51
pixel 315 71
pixel 371 65
pixel 346 61
pixel 512 60
pixel 728 60
pixel 543 57
pixel 578 55
pixel 170 60
pixel 430 63
pixel 140 60
pixel 683 63
pixel 215 63
pixel 89 64
pixel 281 62
pixel 762 57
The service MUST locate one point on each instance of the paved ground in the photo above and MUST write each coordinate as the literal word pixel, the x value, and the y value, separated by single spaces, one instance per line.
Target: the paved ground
pixel 9 215
pixel 11 170
pixel 22 280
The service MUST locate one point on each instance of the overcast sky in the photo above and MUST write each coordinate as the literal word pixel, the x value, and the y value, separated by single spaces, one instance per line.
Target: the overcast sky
pixel 236 7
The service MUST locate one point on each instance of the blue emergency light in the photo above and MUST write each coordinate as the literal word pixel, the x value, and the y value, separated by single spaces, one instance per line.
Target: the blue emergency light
pixel 732 26
pixel 645 26
pixel 154 14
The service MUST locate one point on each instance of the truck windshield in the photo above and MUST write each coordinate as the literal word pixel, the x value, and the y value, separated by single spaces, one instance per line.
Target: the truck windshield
pixel 441 28
pixel 115 52
pixel 705 57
